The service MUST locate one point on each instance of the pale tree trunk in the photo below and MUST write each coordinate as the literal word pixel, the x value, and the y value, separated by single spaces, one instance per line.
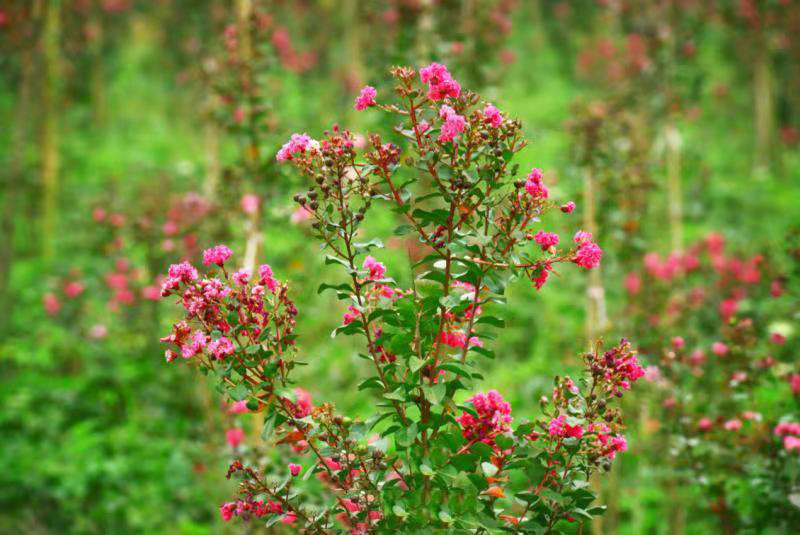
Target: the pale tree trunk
pixel 763 107
pixel 50 160
pixel 673 141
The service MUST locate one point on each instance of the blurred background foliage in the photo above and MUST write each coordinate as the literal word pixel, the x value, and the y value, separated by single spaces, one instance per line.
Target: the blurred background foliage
pixel 133 130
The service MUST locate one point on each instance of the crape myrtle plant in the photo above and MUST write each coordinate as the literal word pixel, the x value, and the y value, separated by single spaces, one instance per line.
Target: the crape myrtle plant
pixel 425 460
pixel 721 328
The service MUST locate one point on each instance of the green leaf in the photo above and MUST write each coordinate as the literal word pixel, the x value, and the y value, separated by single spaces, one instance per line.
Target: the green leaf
pixel 398 510
pixel 269 427
pixel 426 470
pixel 550 494
pixel 445 517
pixel 416 364
pixel 372 382
pixel 403 229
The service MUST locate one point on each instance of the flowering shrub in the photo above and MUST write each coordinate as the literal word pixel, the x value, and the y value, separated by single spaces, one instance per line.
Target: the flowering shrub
pixel 424 461
pixel 728 406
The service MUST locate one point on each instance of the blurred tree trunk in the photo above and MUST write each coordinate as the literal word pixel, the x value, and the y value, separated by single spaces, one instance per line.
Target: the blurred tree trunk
pixel 15 176
pixel 97 76
pixel 51 34
pixel 673 141
pixel 763 106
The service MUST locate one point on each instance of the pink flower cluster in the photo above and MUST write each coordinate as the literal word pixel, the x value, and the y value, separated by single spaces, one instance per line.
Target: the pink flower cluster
pixel 610 444
pixel 589 254
pixel 534 185
pixel 790 432
pixel 494 418
pixel 297 144
pixel 452 126
pixel 492 116
pixel 377 270
pixel 559 428
pixel 256 508
pixel 218 255
pixel 458 339
pixel 366 99
pixel 441 84
pixel 546 239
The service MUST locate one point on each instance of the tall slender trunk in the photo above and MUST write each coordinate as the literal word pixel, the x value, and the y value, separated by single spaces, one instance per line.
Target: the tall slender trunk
pixel 763 106
pixel 674 187
pixel 50 158
pixel 13 179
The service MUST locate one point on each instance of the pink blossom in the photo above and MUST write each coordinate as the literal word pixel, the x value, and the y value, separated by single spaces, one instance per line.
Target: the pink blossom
pixel 170 355
pixel 198 342
pixel 704 424
pixel 728 308
pixel 221 348
pixel 652 373
pixel 99 215
pixel 752 416
pixel 719 349
pixel 559 428
pixel 297 144
pixel 633 283
pixel 218 255
pixel 300 214
pixel 678 342
pixel 241 277
pixel 234 437
pixel 452 126
pixel 539 277
pixel 794 383
pixel 776 288
pixel 618 445
pixel 441 84
pixel 350 316
pixel 377 271
pixel 73 289
pixel 151 293
pixel 239 407
pixel 249 203
pixel 534 185
pixel 184 272
pixel 423 127
pixel 791 443
pixel 494 417
pixel 546 239
pixel 733 425
pixel 51 304
pixel 303 407
pixel 366 99
pixel 294 469
pixel 492 116
pixel 787 428
pixel 267 278
pixel 582 237
pixel 289 519
pixel 777 339
pixel 98 331
pixel 568 208
pixel 227 510
pixel 588 255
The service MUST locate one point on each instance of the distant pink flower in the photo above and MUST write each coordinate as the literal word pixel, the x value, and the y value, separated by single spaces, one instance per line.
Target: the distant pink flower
pixel 249 203
pixel 733 425
pixel 546 239
pixel 99 215
pixel 300 214
pixel 492 116
pixel 241 277
pixel 73 289
pixel 652 373
pixel 752 416
pixel 239 407
pixel 678 342
pixel 719 349
pixel 98 331
pixel 776 288
pixel 441 84
pixel 218 255
pixel 294 469
pixel 704 424
pixel 787 428
pixel 366 99
pixel 51 304
pixel 791 443
pixel 234 437
pixel 377 271
pixel 582 237
pixel 170 228
pixel 794 383
pixel 633 283
pixel 588 255
pixel 728 308
pixel 568 208
pixel 289 519
pixel 151 293
pixel 221 348
pixel 777 339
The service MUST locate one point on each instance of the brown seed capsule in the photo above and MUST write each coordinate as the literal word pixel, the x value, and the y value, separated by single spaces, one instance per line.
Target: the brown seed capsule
pixel 312 195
